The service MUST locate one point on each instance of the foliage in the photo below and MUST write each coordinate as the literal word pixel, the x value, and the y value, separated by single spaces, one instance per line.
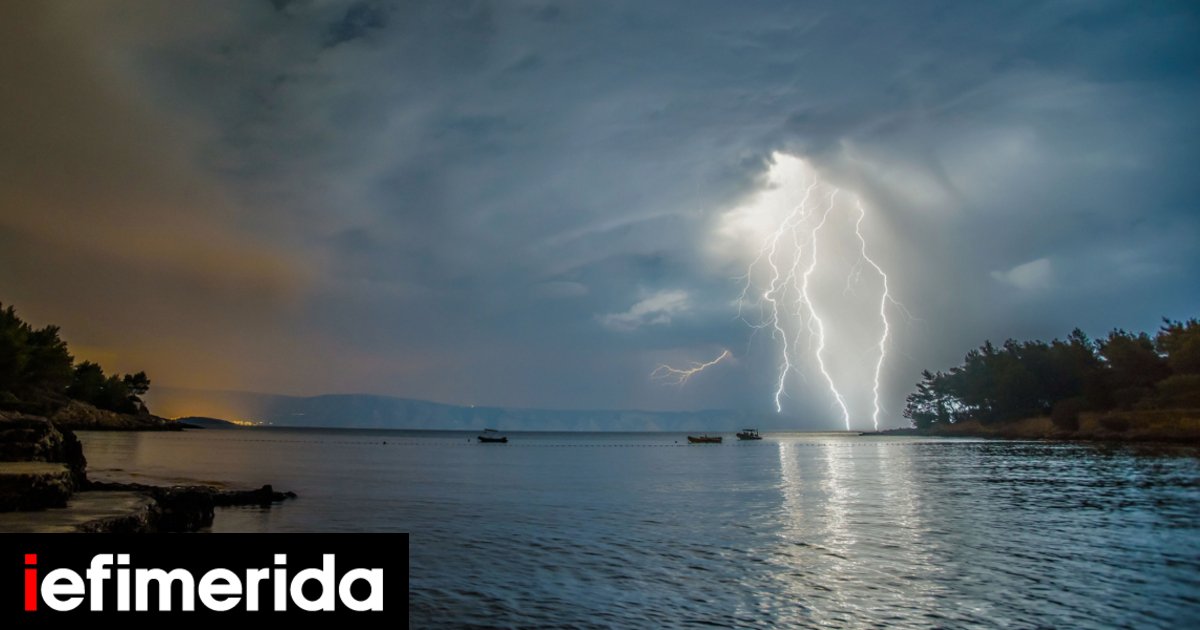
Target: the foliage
pixel 1177 391
pixel 36 364
pixel 1180 342
pixel 32 361
pixel 1063 378
pixel 1065 414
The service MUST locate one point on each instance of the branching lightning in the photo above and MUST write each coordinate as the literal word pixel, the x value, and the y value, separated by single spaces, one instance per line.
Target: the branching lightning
pixel 884 298
pixel 816 325
pixel 796 245
pixel 678 376
pixel 788 305
pixel 799 213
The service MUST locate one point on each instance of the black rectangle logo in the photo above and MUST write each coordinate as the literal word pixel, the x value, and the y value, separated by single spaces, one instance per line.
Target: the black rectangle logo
pixel 51 579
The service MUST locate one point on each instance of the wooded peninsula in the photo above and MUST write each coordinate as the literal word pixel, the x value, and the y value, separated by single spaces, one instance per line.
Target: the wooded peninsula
pixel 1125 386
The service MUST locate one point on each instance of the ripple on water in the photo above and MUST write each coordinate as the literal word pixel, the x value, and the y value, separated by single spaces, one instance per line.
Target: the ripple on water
pixel 799 531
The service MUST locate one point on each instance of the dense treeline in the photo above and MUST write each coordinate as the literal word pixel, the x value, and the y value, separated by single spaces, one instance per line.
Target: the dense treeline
pixel 1065 377
pixel 36 366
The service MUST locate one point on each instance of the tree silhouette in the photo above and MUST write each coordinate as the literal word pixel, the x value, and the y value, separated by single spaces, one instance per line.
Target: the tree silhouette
pixel 1064 378
pixel 36 367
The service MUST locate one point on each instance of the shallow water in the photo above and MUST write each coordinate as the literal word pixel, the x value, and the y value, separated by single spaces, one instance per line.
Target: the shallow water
pixel 798 529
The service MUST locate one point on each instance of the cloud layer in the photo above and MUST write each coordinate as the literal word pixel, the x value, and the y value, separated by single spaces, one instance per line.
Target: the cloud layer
pixel 514 203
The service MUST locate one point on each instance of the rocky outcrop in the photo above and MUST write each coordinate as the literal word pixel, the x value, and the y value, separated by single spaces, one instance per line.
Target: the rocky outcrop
pixel 117 512
pixel 43 467
pixel 189 508
pixel 81 416
pixel 134 514
pixel 263 497
pixel 136 509
pixel 34 485
pixel 40 466
pixel 26 438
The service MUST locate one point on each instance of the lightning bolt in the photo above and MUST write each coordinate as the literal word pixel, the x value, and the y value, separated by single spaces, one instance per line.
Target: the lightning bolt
pixel 773 294
pixel 813 318
pixel 679 377
pixel 885 297
pixel 791 254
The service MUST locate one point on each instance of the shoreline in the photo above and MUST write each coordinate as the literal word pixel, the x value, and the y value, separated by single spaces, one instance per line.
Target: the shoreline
pixel 1168 426
pixel 44 485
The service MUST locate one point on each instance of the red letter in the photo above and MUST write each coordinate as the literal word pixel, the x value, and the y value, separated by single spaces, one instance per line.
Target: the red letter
pixel 31 582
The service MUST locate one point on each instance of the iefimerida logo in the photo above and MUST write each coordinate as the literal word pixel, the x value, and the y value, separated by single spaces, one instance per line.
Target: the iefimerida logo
pixel 112 583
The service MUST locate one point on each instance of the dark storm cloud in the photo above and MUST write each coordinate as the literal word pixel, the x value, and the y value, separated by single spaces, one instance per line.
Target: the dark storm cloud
pixel 360 18
pixel 486 192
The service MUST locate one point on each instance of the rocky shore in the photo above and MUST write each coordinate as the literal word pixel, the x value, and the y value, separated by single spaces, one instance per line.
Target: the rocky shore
pixel 182 508
pixel 44 484
pixel 40 466
pixel 78 416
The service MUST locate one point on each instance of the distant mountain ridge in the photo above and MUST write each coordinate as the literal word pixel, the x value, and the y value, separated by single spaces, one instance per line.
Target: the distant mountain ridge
pixel 368 411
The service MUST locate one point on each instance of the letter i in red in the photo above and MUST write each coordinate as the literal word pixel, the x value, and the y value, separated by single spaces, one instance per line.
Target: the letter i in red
pixel 31 581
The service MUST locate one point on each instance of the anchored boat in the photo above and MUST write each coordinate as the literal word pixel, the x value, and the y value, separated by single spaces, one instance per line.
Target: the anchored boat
pixel 704 439
pixel 749 434
pixel 491 436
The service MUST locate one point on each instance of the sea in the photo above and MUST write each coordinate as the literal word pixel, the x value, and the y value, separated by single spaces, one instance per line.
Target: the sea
pixel 633 530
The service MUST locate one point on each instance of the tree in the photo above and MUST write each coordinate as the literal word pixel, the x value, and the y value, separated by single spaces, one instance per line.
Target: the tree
pixel 928 405
pixel 115 396
pixel 48 367
pixel 921 406
pixel 1132 360
pixel 87 382
pixel 37 367
pixel 13 351
pixel 1133 366
pixel 1180 342
pixel 138 384
pixel 114 393
pixel 32 362
pixel 1064 377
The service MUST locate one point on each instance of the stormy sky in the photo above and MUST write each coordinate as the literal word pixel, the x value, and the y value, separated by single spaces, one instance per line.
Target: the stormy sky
pixel 529 203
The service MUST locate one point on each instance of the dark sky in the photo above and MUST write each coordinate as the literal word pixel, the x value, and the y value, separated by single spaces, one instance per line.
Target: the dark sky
pixel 535 203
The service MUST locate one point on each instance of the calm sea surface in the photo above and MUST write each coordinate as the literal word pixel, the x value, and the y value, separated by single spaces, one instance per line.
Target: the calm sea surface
pixel 643 530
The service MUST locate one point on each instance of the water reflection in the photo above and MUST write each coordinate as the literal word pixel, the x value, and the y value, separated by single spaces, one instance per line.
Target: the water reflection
pixel 797 530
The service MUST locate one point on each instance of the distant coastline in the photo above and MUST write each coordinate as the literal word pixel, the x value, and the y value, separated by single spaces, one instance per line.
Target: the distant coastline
pixel 371 411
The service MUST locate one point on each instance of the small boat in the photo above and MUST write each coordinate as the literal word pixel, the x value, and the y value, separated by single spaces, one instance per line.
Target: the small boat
pixel 490 436
pixel 749 434
pixel 704 439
